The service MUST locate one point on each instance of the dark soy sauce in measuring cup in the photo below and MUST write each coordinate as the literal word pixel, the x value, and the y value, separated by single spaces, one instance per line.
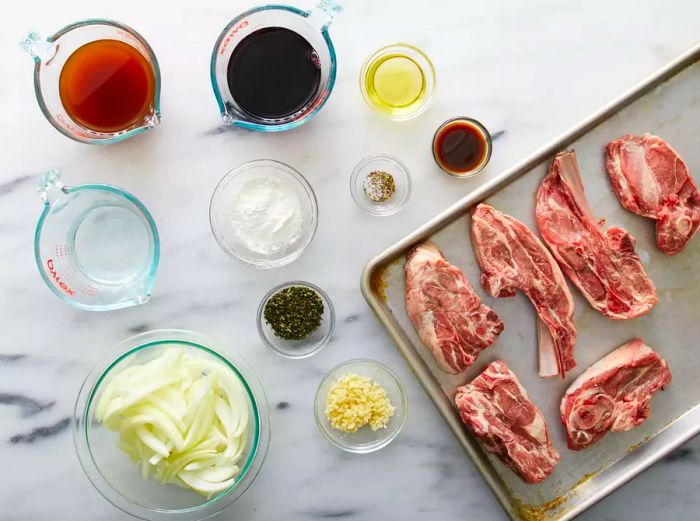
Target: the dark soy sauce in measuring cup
pixel 273 73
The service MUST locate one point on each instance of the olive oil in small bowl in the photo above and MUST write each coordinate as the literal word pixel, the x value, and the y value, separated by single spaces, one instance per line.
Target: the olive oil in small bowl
pixel 398 81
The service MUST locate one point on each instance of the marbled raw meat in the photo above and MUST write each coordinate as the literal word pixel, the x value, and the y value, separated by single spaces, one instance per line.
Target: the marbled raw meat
pixel 496 408
pixel 512 257
pixel 449 317
pixel 651 179
pixel 604 266
pixel 613 395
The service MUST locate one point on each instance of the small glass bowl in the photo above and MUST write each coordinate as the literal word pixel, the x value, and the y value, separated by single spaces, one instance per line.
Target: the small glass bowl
pixel 481 129
pixel 398 113
pixel 391 165
pixel 297 348
pixel 365 440
pixel 220 212
pixel 111 471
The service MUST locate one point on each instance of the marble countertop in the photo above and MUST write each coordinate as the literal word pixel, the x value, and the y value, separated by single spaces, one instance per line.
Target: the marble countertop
pixel 529 71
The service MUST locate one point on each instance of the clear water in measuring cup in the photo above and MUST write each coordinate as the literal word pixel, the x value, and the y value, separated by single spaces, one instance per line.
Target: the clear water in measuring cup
pixel 111 245
pixel 96 246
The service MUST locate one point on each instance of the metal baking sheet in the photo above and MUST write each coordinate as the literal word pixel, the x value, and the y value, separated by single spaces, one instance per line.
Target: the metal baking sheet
pixel 668 104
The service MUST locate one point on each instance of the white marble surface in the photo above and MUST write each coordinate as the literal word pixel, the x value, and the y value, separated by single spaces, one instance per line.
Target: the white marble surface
pixel 527 70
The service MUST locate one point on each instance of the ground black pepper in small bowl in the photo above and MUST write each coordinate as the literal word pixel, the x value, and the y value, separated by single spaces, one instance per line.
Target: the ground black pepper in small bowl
pixel 379 186
pixel 294 313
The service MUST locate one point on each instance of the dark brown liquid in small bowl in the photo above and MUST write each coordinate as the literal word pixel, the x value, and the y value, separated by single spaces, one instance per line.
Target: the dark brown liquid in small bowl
pixel 462 146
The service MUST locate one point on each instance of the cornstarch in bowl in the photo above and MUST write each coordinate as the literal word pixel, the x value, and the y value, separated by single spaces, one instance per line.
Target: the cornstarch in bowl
pixel 263 214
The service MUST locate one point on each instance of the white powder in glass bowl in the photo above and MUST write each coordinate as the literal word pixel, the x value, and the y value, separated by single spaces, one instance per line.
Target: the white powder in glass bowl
pixel 266 215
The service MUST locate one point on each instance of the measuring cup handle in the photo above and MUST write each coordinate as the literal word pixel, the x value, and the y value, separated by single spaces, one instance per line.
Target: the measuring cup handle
pixel 324 12
pixel 36 45
pixel 50 187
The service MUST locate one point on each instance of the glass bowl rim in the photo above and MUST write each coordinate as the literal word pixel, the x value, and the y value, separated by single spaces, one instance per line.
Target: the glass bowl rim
pixel 321 343
pixel 487 137
pixel 215 348
pixel 382 442
pixel 405 174
pixel 412 49
pixel 300 180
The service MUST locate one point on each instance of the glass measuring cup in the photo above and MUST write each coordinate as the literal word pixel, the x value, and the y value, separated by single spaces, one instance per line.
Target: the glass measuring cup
pixel 96 246
pixel 50 55
pixel 312 25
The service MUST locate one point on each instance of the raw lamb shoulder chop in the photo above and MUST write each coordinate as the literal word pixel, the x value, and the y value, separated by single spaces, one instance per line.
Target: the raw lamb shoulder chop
pixel 448 316
pixel 604 266
pixel 613 395
pixel 652 180
pixel 497 410
pixel 512 257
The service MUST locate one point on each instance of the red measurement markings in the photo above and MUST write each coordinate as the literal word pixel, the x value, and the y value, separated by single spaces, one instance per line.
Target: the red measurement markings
pixel 230 36
pixel 61 120
pixel 59 282
pixel 133 41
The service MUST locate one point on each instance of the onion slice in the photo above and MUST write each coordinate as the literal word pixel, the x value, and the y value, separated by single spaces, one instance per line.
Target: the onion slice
pixel 181 419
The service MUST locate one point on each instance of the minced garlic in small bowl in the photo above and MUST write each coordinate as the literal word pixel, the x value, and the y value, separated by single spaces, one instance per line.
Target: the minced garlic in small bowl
pixel 360 406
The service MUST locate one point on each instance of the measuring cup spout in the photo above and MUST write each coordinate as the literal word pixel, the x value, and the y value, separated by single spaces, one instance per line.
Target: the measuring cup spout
pixel 231 116
pixel 152 120
pixel 50 187
pixel 38 47
pixel 323 13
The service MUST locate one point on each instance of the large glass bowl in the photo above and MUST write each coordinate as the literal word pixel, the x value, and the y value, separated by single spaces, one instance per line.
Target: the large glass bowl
pixel 117 478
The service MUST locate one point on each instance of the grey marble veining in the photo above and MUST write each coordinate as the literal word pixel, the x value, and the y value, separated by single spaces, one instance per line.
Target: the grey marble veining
pixel 527 70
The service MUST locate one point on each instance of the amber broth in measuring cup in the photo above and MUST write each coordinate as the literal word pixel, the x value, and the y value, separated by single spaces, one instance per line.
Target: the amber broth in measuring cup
pixel 96 81
pixel 107 86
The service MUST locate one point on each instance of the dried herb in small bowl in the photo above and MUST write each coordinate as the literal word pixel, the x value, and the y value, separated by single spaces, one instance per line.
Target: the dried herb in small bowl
pixel 294 313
